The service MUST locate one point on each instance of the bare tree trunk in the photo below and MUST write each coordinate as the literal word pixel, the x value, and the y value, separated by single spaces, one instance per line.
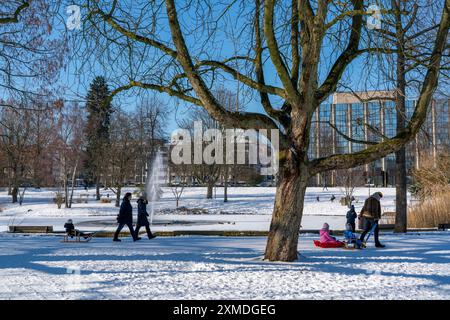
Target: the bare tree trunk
pixel 209 192
pixel 225 184
pixel 74 174
pixel 118 194
pixel 66 191
pixel 14 194
pixel 9 184
pixel 22 196
pixel 401 202
pixel 287 214
pixel 97 189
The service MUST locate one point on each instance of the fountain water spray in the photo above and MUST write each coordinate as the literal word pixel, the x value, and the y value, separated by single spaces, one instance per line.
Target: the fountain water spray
pixel 155 180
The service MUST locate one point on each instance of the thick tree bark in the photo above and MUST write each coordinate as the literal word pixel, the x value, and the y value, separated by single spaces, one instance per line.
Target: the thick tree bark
pixel 287 214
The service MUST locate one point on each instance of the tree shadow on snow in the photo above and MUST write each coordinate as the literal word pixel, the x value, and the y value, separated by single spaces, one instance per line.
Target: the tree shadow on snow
pixel 32 254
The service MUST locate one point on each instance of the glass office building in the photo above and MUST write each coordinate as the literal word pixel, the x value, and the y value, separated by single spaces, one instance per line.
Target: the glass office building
pixel 374 120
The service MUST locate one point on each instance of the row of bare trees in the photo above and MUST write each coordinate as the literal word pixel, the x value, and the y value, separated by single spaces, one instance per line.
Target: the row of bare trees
pixel 40 144
pixel 43 143
pixel 134 139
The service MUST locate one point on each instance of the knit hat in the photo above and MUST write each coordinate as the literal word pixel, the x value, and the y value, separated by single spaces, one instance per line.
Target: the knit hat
pixel 326 226
pixel 377 195
pixel 69 221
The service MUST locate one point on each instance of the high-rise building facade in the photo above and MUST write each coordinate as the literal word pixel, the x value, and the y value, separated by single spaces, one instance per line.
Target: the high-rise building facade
pixel 373 120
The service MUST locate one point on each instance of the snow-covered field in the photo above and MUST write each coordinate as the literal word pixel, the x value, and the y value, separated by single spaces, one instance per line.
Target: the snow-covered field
pixel 247 209
pixel 413 266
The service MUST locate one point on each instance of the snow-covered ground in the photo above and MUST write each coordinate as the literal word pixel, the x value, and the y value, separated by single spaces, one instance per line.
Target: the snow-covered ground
pixel 247 209
pixel 413 266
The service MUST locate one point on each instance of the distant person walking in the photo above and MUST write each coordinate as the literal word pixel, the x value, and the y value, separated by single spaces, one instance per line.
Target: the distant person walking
pixel 332 198
pixel 371 213
pixel 125 217
pixel 351 217
pixel 142 220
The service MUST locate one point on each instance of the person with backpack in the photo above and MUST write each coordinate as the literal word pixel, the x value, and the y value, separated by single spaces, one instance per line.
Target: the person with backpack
pixel 125 218
pixel 142 220
pixel 371 213
pixel 351 217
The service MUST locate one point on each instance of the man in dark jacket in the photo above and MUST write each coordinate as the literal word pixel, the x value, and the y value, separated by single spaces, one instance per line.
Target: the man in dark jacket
pixel 142 218
pixel 351 217
pixel 371 213
pixel 125 217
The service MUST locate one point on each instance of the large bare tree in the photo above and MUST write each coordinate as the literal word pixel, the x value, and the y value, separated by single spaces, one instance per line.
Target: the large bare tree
pixel 306 46
pixel 31 51
pixel 122 152
pixel 408 38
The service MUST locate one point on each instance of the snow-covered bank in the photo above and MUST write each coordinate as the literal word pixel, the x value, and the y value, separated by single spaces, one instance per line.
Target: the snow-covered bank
pixel 413 266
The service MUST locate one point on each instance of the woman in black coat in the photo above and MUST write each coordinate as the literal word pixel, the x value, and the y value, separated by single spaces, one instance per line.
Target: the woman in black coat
pixel 125 217
pixel 142 218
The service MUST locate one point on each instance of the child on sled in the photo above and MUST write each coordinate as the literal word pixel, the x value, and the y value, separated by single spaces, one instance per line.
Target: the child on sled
pixel 326 240
pixel 72 232
pixel 350 237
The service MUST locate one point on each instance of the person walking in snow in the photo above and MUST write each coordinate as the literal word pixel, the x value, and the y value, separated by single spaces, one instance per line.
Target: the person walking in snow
pixel 142 220
pixel 125 217
pixel 371 213
pixel 351 217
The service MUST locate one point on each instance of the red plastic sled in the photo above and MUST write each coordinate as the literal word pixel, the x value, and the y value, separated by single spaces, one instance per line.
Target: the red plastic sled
pixel 317 243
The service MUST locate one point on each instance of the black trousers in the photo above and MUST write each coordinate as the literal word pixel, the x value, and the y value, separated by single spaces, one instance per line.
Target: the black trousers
pixel 147 228
pixel 353 226
pixel 120 227
pixel 368 224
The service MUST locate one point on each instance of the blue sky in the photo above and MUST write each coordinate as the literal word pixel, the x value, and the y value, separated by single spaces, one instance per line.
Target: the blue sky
pixel 78 84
